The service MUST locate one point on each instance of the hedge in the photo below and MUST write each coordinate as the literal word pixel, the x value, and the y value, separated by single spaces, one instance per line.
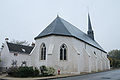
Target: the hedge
pixel 23 72
pixel 30 72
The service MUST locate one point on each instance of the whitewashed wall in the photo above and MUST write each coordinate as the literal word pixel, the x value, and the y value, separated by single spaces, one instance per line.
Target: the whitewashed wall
pixel 80 56
pixel 7 57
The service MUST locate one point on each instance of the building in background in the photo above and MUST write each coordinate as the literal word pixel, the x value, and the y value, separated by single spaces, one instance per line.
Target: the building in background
pixel 15 55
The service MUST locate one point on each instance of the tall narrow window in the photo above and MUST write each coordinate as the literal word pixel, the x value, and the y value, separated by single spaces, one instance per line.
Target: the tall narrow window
pixel 94 52
pixel 63 52
pixel 42 52
pixel 85 45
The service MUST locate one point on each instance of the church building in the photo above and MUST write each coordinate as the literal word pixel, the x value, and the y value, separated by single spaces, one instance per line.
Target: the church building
pixel 68 49
pixel 60 45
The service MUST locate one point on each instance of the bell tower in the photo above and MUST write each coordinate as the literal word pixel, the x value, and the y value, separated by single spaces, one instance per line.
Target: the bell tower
pixel 90 32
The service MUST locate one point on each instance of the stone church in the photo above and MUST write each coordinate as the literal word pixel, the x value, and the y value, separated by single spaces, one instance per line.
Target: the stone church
pixel 63 46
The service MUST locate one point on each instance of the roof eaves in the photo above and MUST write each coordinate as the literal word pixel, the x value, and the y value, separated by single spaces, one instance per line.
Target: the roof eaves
pixel 18 52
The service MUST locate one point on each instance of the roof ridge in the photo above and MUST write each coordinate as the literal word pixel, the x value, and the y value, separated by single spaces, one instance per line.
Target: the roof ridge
pixel 64 25
pixel 55 22
pixel 19 44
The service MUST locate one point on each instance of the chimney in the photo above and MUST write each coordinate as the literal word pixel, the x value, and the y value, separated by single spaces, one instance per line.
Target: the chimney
pixel 33 44
pixel 6 39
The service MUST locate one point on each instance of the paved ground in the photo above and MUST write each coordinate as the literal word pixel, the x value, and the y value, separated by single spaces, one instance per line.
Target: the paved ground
pixel 108 75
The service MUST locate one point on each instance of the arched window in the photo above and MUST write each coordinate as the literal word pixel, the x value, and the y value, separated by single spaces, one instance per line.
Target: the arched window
pixel 94 52
pixel 42 52
pixel 63 52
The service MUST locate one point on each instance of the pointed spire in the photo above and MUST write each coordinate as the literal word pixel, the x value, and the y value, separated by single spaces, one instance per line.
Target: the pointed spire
pixel 89 23
pixel 90 31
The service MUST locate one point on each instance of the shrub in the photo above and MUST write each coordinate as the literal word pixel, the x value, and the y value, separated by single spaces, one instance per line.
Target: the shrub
pixel 30 72
pixel 47 71
pixel 51 71
pixel 36 72
pixel 114 63
pixel 12 71
pixel 43 70
pixel 114 57
pixel 23 72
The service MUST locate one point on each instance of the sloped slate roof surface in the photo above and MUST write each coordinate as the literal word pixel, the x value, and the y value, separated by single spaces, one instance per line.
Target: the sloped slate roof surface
pixel 19 48
pixel 61 27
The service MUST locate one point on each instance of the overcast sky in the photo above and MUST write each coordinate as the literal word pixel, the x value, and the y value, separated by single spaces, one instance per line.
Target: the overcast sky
pixel 25 19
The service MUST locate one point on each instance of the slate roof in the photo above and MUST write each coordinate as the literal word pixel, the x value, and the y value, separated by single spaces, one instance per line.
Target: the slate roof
pixel 61 27
pixel 19 48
